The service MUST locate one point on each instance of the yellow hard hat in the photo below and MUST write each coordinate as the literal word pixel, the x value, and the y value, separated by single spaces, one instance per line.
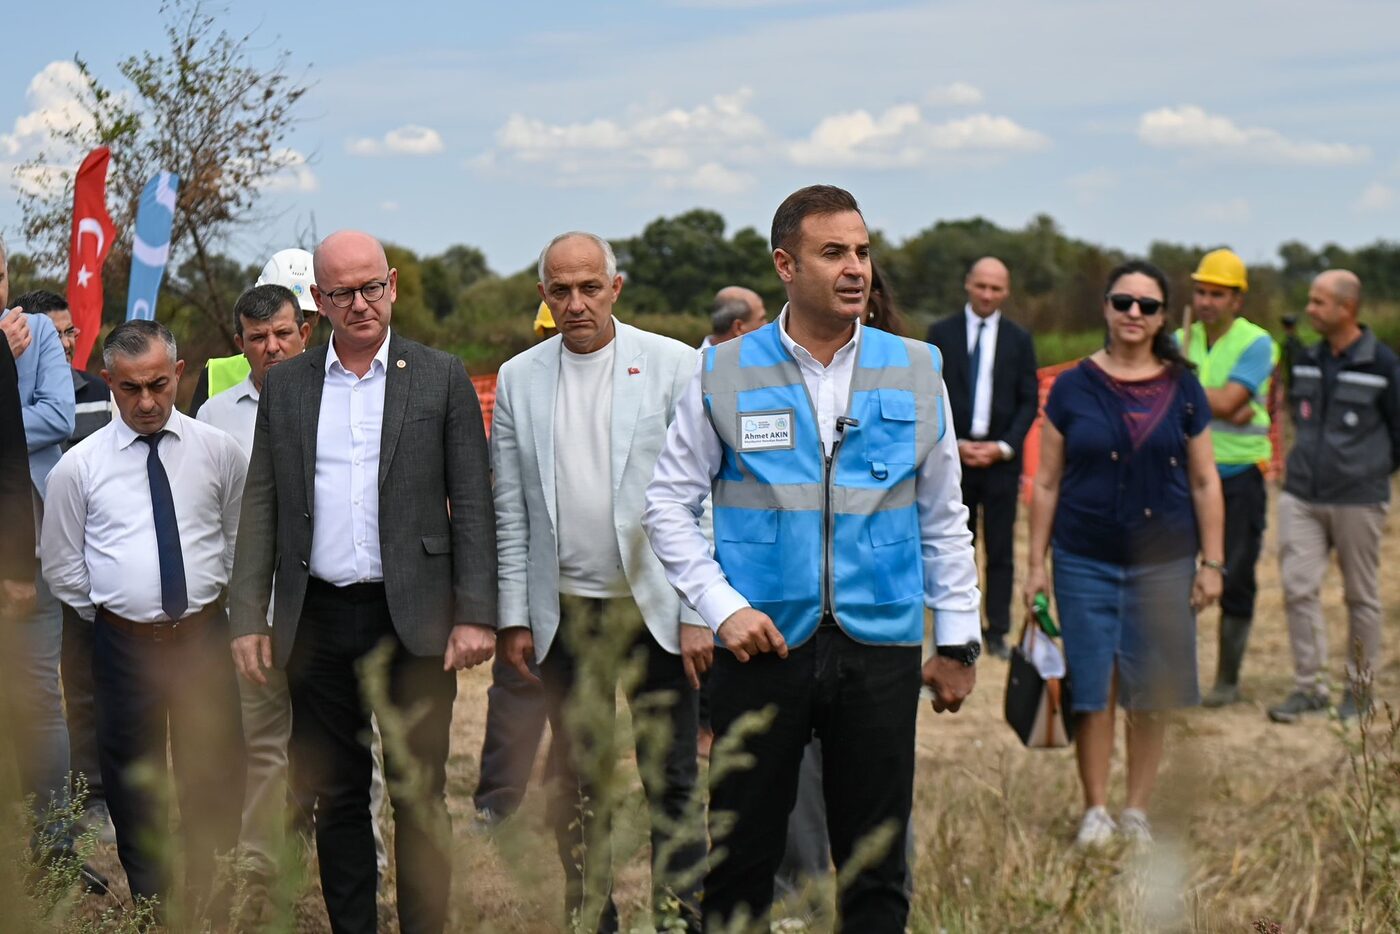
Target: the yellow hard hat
pixel 543 320
pixel 1222 267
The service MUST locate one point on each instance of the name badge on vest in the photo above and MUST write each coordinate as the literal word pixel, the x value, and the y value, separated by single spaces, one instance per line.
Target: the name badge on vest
pixel 767 431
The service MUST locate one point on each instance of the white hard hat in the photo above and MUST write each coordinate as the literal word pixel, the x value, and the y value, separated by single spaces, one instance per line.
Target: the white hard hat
pixel 292 269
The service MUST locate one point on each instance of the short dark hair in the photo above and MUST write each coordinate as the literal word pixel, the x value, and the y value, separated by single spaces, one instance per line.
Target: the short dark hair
pixel 262 303
pixel 802 203
pixel 133 338
pixel 41 302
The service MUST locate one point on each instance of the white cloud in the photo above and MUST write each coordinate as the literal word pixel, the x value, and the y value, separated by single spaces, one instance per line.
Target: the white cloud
pixel 295 175
pixel 957 94
pixel 1190 128
pixel 59 100
pixel 677 148
pixel 388 206
pixel 1376 199
pixel 901 138
pixel 1229 211
pixel 711 177
pixel 408 140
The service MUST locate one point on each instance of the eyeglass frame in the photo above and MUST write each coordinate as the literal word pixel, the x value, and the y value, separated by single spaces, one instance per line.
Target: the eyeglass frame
pixel 383 285
pixel 1114 298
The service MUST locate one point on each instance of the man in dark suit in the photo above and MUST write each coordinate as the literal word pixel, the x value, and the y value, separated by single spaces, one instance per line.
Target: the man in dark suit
pixel 369 494
pixel 989 369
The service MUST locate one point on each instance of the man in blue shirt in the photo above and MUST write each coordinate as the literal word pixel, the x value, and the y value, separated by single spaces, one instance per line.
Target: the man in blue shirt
pixel 46 405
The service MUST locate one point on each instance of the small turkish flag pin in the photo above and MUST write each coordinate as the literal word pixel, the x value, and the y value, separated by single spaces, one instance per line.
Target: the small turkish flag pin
pixel 633 371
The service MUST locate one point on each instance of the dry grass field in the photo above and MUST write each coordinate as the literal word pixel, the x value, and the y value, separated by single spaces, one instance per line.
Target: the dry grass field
pixel 1260 826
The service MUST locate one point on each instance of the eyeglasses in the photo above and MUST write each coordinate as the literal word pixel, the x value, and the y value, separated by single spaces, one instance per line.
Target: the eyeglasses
pixel 1123 302
pixel 371 292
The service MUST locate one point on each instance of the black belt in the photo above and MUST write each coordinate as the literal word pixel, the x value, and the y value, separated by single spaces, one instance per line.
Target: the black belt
pixel 183 628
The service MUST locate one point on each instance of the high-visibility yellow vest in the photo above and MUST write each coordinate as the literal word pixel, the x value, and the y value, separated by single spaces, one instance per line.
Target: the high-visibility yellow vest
pixel 1234 444
pixel 226 372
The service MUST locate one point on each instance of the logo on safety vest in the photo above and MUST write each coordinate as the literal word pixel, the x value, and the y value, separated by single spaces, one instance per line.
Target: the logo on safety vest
pixel 767 431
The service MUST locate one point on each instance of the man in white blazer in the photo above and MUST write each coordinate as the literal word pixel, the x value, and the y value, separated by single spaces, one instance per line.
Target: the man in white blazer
pixel 579 422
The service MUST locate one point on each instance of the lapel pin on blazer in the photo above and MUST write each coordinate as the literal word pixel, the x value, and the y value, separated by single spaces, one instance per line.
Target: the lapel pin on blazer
pixel 402 364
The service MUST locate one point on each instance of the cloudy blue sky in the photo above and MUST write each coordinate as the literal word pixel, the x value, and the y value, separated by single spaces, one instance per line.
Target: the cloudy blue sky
pixel 431 123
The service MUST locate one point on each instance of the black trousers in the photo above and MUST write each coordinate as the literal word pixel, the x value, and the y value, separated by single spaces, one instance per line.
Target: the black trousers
pixel 993 491
pixel 79 703
pixel 515 716
pixel 598 640
pixel 326 672
pixel 862 700
pixel 1246 511
pixel 184 690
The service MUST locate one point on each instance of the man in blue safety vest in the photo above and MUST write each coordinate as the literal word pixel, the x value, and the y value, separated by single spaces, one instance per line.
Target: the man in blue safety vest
pixel 838 518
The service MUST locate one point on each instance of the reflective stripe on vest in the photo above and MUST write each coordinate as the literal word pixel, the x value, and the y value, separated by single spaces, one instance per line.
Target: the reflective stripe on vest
pixel 797 535
pixel 1234 444
pixel 227 372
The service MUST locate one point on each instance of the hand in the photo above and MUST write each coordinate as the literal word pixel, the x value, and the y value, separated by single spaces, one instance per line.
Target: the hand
pixel 1242 416
pixel 252 655
pixel 748 632
pixel 16 329
pixel 18 597
pixel 1036 583
pixel 517 645
pixel 697 652
pixel 468 645
pixel 951 682
pixel 972 453
pixel 1206 590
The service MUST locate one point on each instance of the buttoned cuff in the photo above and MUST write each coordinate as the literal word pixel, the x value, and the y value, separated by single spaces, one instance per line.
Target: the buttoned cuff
pixel 719 603
pixel 1007 451
pixel 957 627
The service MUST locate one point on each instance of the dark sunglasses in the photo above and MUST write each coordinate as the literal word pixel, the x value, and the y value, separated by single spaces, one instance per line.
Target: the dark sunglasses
pixel 1124 303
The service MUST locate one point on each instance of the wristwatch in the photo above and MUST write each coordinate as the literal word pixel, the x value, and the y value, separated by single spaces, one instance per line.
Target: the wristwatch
pixel 966 654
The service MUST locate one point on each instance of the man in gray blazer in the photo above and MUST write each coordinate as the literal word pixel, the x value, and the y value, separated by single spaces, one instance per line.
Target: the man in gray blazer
pixel 369 495
pixel 579 422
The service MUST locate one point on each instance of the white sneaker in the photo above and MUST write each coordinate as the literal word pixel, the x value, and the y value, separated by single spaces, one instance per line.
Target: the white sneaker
pixel 1095 829
pixel 1133 825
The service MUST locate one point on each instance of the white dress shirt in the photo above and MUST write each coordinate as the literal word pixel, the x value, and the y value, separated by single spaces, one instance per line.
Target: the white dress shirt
pixel 345 513
pixel 235 411
pixel 99 543
pixel 982 392
pixel 692 456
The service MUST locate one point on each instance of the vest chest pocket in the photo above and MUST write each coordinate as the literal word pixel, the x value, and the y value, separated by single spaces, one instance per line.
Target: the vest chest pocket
pixel 891 438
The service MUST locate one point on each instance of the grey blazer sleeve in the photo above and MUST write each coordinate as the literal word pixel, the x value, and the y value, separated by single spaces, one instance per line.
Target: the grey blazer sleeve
pixel 473 508
pixel 250 586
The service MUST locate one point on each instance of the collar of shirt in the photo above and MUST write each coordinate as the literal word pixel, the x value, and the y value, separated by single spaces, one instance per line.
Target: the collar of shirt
pixel 126 436
pixel 380 362
pixel 973 320
pixel 800 353
pixel 246 389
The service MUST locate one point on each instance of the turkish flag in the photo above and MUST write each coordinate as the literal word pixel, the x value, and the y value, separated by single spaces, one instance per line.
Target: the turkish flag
pixel 93 233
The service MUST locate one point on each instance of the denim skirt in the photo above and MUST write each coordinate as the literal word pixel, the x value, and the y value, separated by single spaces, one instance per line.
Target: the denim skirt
pixel 1137 618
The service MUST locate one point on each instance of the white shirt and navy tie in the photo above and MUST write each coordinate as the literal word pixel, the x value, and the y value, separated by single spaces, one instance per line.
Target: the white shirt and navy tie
pixel 981 360
pixel 109 537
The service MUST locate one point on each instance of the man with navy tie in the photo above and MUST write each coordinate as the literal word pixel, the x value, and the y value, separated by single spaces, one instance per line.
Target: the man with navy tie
pixel 138 537
pixel 989 368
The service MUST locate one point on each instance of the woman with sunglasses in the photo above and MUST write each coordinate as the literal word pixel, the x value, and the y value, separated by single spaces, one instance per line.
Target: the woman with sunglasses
pixel 1128 485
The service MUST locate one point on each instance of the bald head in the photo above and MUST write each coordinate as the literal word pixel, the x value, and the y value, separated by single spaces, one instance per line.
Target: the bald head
pixel 1344 285
pixel 736 311
pixel 1333 300
pixel 988 284
pixel 355 289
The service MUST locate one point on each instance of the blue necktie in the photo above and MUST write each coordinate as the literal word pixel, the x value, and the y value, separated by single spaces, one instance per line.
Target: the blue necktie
pixel 975 358
pixel 174 598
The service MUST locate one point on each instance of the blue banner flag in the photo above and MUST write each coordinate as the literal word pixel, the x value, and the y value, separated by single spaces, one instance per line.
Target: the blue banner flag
pixel 150 248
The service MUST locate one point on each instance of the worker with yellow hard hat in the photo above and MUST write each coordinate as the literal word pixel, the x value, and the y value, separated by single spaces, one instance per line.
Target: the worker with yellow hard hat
pixel 1235 361
pixel 544 322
